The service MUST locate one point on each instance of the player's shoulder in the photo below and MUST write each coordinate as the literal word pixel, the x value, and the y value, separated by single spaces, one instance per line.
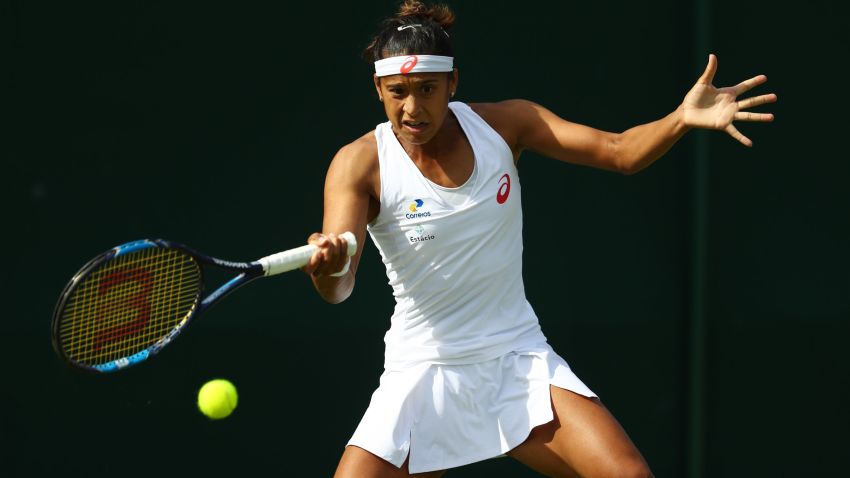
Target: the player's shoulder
pixel 358 160
pixel 362 149
pixel 503 111
pixel 509 117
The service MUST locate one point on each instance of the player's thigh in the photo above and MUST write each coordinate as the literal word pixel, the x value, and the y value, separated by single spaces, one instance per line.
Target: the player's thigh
pixel 583 440
pixel 359 463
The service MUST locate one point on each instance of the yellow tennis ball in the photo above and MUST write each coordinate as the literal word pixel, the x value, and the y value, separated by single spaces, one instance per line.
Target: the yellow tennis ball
pixel 217 398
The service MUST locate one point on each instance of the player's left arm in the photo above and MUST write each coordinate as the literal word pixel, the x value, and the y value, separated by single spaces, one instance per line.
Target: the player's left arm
pixel 526 125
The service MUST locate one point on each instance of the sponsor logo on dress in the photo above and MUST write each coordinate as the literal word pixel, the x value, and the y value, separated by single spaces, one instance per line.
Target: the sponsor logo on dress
pixel 419 234
pixel 504 189
pixel 415 213
pixel 416 209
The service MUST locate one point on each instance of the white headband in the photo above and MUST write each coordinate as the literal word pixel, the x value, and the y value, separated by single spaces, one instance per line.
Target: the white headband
pixel 402 65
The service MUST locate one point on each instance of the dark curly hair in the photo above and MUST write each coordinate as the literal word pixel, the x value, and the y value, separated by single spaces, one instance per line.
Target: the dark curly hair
pixel 426 32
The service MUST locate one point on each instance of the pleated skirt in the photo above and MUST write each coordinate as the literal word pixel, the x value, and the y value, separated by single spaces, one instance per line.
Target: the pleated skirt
pixel 445 416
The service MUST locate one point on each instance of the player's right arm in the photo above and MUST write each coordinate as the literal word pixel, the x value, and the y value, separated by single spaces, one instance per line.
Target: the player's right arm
pixel 351 196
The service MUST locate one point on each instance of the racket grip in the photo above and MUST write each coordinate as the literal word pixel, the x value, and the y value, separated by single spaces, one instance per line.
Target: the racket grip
pixel 299 257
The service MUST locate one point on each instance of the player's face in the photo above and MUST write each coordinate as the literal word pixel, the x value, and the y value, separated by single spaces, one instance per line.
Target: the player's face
pixel 416 104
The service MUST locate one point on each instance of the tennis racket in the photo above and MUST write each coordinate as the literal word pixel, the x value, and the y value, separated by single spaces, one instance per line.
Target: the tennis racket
pixel 128 303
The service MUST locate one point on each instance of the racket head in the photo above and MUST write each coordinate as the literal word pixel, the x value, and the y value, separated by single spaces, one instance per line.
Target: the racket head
pixel 127 303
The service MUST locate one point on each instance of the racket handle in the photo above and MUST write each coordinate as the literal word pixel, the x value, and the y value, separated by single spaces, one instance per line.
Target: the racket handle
pixel 299 257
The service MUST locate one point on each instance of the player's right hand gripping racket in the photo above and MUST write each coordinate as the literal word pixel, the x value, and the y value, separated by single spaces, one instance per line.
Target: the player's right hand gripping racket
pixel 128 303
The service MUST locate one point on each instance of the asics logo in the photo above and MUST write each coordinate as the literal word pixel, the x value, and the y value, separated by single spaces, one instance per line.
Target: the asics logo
pixel 504 189
pixel 409 64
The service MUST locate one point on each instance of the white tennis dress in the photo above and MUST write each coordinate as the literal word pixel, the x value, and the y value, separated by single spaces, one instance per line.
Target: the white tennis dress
pixel 467 367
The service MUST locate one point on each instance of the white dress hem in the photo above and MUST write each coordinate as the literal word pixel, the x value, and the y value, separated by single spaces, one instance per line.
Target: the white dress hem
pixel 437 415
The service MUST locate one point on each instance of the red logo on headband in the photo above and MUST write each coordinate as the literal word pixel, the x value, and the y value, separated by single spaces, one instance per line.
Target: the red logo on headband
pixel 409 64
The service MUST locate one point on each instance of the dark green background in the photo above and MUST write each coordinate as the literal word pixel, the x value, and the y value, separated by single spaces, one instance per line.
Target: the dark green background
pixel 212 124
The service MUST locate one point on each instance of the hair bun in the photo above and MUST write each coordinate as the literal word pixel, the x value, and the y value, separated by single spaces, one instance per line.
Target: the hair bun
pixel 439 13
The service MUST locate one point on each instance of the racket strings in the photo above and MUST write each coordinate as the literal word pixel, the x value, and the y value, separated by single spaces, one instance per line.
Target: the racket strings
pixel 128 304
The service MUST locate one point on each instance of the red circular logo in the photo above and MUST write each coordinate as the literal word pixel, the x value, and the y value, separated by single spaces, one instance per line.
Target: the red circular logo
pixel 409 64
pixel 504 189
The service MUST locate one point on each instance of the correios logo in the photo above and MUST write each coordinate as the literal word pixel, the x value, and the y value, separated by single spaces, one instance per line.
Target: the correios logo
pixel 415 213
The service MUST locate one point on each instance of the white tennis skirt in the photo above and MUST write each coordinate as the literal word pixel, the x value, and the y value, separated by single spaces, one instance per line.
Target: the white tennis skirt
pixel 445 416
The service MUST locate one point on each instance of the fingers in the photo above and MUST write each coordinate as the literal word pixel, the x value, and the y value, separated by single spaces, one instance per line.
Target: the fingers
pixel 330 256
pixel 710 69
pixel 756 101
pixel 733 132
pixel 747 85
pixel 747 116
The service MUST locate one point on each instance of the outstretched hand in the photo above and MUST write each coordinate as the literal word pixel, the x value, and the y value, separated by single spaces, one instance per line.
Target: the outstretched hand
pixel 706 106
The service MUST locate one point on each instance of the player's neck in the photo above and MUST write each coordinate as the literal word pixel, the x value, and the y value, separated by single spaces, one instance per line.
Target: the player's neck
pixel 448 159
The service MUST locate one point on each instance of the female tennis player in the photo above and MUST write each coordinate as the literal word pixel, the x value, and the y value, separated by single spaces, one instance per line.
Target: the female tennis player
pixel 468 373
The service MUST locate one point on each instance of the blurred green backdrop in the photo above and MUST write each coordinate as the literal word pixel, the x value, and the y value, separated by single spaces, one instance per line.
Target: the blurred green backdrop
pixel 212 124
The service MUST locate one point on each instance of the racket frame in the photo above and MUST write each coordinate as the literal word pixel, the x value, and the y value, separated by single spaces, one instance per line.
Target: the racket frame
pixel 247 272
